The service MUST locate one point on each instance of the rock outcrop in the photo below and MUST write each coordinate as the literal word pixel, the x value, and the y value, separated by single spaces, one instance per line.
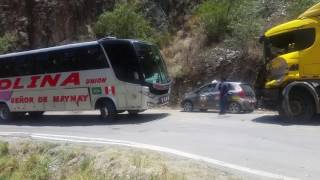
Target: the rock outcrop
pixel 43 23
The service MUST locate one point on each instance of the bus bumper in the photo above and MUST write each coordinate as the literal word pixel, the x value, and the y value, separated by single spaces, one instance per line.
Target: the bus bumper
pixel 158 101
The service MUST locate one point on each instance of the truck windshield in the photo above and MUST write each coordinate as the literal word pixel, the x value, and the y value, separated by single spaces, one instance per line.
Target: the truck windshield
pixel 289 42
pixel 153 67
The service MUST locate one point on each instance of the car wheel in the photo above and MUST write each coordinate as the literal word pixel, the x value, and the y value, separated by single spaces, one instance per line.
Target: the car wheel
pixel 234 108
pixel 108 111
pixel 187 106
pixel 5 114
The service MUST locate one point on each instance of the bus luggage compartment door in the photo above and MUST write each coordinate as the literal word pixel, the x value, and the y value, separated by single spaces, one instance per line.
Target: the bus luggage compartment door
pixel 77 99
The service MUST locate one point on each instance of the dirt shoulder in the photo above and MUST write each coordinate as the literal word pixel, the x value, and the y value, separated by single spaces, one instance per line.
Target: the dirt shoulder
pixel 24 158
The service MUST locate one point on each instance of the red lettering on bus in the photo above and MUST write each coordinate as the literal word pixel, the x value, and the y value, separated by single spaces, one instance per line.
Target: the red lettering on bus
pixel 73 98
pixel 74 79
pixel 17 84
pixel 5 84
pixel 56 99
pixel 34 80
pixel 52 82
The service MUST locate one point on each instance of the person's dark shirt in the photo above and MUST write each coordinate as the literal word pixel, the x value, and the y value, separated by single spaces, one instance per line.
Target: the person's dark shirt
pixel 223 89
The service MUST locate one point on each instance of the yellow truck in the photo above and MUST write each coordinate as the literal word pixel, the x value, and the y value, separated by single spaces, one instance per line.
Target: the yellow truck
pixel 290 78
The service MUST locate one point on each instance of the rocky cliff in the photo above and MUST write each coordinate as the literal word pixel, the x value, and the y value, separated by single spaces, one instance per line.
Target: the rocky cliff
pixel 42 23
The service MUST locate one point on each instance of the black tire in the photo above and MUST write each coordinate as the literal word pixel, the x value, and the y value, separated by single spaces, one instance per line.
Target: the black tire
pixel 108 111
pixel 5 114
pixel 302 107
pixel 234 108
pixel 37 114
pixel 119 112
pixel 187 106
pixel 133 112
pixel 250 111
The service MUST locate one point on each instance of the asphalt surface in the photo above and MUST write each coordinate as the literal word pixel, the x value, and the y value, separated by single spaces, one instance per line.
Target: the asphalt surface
pixel 258 140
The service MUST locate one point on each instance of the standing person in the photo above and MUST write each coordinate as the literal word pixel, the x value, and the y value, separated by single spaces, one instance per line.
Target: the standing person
pixel 223 88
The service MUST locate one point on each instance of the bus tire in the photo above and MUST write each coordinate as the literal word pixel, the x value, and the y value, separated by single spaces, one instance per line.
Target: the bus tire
pixel 5 114
pixel 133 112
pixel 108 111
pixel 37 114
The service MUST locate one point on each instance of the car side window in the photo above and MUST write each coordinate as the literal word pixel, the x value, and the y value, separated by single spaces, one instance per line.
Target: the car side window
pixel 207 89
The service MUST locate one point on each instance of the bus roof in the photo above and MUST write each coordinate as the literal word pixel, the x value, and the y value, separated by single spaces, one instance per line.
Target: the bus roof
pixel 75 45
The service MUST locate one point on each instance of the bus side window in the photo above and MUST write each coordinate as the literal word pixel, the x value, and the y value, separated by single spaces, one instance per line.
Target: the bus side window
pixel 23 65
pixel 55 63
pixel 6 68
pixel 40 62
pixel 70 61
pixel 124 61
pixel 91 57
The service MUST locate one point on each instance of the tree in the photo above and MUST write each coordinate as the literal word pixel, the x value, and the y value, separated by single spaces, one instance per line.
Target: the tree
pixel 6 42
pixel 124 22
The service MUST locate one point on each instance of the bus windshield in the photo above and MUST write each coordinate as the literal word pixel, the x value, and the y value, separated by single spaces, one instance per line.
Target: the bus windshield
pixel 152 64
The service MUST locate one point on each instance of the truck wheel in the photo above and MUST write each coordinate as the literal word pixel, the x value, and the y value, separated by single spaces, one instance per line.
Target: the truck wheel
pixel 302 107
pixel 5 114
pixel 108 111
pixel 187 106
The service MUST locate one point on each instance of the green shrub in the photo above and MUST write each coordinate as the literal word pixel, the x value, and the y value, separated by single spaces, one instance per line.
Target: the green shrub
pixel 4 149
pixel 297 7
pixel 34 167
pixel 6 42
pixel 246 22
pixel 124 22
pixel 214 17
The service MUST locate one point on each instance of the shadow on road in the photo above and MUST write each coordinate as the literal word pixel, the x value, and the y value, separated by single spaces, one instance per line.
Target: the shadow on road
pixel 275 119
pixel 85 120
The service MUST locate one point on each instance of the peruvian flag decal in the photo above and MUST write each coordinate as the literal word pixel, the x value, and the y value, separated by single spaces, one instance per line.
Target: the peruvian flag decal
pixel 110 90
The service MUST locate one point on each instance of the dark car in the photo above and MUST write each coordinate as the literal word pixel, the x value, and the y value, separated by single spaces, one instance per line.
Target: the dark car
pixel 241 98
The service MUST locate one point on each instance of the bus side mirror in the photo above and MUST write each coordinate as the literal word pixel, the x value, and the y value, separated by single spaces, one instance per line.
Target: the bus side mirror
pixel 136 75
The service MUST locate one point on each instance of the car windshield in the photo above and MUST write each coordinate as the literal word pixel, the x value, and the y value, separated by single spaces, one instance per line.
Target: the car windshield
pixel 152 63
pixel 288 42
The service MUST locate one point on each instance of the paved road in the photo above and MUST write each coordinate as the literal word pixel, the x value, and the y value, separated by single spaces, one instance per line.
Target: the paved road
pixel 257 140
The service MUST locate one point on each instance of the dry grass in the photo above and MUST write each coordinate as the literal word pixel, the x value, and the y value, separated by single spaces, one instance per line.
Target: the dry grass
pixel 26 159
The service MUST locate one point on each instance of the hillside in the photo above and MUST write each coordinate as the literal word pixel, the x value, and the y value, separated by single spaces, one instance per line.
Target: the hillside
pixel 201 40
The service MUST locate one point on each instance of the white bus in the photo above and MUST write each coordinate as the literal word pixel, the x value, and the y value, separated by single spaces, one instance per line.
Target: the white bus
pixel 111 75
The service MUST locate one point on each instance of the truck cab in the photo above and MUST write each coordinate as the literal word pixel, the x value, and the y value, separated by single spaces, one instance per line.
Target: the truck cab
pixel 289 80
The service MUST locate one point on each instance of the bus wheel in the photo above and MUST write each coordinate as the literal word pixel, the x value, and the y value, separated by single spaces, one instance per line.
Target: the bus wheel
pixel 38 114
pixel 133 112
pixel 108 111
pixel 5 114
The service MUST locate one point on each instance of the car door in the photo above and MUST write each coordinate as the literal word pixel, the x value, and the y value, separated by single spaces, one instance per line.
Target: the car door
pixel 212 95
pixel 205 96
